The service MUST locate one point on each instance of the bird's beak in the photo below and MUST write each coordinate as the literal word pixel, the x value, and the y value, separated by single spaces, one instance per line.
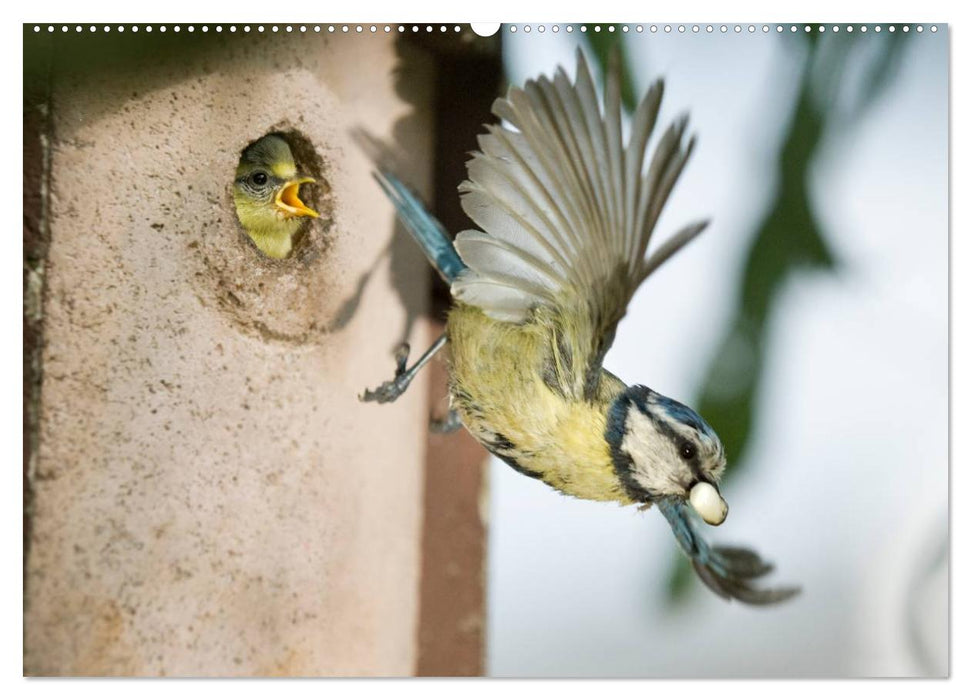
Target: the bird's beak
pixel 708 503
pixel 288 199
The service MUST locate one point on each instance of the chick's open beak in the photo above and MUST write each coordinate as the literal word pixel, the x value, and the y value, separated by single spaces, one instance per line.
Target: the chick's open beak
pixel 288 199
pixel 708 503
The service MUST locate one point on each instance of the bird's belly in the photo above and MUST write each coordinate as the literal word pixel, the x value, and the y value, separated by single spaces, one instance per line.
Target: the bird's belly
pixel 497 387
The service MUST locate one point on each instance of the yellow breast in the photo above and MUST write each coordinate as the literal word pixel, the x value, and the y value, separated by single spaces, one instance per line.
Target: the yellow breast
pixel 497 386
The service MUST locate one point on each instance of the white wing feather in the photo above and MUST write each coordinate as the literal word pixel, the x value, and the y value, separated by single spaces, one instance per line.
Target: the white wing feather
pixel 564 207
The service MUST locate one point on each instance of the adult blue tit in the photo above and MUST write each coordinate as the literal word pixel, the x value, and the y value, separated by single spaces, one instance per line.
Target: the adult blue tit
pixel 267 195
pixel 565 208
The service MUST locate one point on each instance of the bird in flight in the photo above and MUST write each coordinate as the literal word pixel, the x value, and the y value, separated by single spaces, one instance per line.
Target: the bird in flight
pixel 565 208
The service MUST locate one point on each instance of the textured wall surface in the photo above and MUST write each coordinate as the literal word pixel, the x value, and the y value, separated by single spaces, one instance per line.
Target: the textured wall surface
pixel 208 496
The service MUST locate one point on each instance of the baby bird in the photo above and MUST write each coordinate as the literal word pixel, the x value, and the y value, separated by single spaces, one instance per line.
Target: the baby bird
pixel 267 195
pixel 565 210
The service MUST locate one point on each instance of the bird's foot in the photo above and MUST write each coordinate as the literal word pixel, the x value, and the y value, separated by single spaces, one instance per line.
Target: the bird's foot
pixel 449 424
pixel 393 388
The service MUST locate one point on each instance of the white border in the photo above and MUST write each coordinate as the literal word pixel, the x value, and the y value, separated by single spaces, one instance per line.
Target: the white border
pixel 833 11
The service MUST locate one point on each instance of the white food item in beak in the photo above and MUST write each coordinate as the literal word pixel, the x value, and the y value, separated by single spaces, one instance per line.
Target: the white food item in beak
pixel 708 503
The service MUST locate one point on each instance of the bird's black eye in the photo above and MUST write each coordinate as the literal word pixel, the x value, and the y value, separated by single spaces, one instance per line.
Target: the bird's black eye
pixel 688 451
pixel 259 178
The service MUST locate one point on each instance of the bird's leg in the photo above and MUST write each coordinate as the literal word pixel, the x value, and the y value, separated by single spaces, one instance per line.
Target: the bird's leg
pixel 728 571
pixel 449 424
pixel 393 388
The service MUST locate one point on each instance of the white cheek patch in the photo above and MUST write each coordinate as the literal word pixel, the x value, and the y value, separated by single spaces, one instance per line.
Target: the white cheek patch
pixel 655 461
pixel 713 466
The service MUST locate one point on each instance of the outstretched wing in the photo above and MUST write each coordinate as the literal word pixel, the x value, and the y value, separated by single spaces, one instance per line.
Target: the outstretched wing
pixel 567 209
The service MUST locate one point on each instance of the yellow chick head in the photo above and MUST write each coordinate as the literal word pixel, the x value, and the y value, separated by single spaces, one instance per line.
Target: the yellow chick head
pixel 267 195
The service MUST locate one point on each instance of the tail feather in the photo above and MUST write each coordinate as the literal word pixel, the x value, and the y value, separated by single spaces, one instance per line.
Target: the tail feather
pixel 422 226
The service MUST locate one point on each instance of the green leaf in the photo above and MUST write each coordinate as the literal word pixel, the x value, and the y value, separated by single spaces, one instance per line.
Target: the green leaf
pixel 601 44
pixel 788 239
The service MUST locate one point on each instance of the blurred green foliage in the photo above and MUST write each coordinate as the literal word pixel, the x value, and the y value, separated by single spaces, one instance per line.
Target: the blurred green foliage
pixel 789 237
pixel 841 75
pixel 601 44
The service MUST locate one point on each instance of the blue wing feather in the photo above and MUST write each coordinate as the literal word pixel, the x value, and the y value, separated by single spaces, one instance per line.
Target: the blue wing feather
pixel 423 227
pixel 728 571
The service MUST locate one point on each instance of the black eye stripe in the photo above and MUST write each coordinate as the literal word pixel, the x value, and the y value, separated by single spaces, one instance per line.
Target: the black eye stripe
pixel 680 434
pixel 693 461
pixel 623 464
pixel 688 450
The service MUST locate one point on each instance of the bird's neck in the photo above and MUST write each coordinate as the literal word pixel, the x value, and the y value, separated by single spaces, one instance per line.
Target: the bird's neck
pixel 273 243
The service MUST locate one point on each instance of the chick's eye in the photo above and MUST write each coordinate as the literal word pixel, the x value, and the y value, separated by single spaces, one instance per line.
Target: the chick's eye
pixel 688 451
pixel 259 178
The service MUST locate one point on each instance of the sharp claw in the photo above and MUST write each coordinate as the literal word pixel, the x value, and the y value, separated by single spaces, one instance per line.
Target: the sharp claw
pixel 386 393
pixel 401 359
pixel 393 388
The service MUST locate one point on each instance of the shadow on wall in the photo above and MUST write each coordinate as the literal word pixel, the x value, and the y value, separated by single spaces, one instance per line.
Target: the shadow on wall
pixel 466 84
pixel 290 459
pixel 400 251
